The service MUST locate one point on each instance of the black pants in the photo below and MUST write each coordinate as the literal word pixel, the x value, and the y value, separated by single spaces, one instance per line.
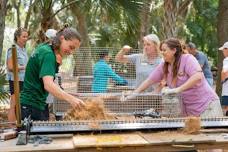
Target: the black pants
pixel 34 113
pixel 11 86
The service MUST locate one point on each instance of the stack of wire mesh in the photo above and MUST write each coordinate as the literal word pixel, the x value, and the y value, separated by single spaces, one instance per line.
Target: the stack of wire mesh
pixel 167 106
pixel 76 83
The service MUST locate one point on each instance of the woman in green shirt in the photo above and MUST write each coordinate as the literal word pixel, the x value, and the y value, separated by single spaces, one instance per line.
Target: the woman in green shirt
pixel 40 72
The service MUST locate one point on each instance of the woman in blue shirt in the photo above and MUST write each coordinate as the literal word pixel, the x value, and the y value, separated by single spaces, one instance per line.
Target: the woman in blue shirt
pixel 102 72
pixel 20 39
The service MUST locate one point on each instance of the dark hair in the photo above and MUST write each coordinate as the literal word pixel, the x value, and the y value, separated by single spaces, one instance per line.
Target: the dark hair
pixel 191 45
pixel 68 33
pixel 103 53
pixel 173 43
pixel 18 33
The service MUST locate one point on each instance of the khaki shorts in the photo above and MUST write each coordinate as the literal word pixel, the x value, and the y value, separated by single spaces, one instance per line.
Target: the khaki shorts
pixel 214 109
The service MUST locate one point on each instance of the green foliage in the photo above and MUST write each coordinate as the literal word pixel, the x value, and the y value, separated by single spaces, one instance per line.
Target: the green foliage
pixel 4 95
pixel 156 19
pixel 113 23
pixel 201 25
pixel 117 24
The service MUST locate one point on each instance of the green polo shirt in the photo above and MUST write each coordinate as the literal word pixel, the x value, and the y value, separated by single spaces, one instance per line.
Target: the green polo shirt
pixel 41 63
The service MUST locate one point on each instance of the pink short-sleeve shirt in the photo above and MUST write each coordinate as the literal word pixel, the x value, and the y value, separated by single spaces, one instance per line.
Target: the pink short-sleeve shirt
pixel 195 99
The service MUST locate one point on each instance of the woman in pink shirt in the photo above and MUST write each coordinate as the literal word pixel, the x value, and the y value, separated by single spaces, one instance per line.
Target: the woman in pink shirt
pixel 184 75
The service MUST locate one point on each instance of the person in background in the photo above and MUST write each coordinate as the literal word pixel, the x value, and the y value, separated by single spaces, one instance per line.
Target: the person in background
pixel 203 61
pixel 183 76
pixel 40 72
pixel 224 78
pixel 183 44
pixel 50 34
pixel 102 72
pixel 20 39
pixel 144 62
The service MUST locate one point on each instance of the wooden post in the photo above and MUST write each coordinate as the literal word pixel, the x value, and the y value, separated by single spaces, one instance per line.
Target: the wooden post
pixel 16 85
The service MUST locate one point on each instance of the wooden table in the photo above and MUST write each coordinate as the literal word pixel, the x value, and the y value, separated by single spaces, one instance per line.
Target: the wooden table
pixel 63 143
pixel 126 142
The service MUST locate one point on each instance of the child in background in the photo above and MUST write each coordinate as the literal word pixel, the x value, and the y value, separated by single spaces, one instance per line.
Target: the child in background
pixel 224 78
pixel 102 72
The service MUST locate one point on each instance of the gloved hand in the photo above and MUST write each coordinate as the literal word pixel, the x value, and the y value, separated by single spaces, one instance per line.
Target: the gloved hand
pixel 126 48
pixel 126 97
pixel 167 90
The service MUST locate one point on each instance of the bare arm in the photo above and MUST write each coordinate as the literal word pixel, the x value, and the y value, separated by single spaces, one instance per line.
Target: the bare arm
pixel 147 83
pixel 56 91
pixel 224 75
pixel 193 80
pixel 10 65
pixel 121 57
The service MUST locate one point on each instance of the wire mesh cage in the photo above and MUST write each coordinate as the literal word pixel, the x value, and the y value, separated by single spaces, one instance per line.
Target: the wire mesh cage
pixel 166 106
pixel 92 68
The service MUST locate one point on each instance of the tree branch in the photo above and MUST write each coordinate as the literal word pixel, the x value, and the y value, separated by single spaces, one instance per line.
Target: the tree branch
pixel 31 4
pixel 68 4
pixel 183 7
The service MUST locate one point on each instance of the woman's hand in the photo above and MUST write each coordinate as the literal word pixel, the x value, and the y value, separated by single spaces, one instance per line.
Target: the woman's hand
pixel 224 75
pixel 127 96
pixel 76 103
pixel 167 91
pixel 126 48
pixel 120 56
pixel 21 67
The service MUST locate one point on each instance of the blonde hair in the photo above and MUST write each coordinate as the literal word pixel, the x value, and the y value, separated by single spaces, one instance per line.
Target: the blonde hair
pixel 155 40
pixel 18 33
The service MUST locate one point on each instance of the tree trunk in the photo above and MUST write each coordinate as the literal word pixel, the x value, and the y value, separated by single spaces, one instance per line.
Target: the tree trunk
pixel 47 21
pixel 222 37
pixel 172 10
pixel 3 10
pixel 170 17
pixel 28 15
pixel 145 18
pixel 16 5
pixel 83 59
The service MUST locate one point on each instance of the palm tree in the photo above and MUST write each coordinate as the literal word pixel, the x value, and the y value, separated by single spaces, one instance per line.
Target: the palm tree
pixel 3 9
pixel 222 27
pixel 145 19
pixel 172 10
pixel 4 95
pixel 108 10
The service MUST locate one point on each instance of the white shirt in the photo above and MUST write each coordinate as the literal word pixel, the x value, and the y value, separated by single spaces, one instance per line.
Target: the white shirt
pixel 225 84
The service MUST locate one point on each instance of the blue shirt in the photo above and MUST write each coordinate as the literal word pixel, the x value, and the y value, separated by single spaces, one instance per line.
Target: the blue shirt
pixel 22 59
pixel 203 61
pixel 101 73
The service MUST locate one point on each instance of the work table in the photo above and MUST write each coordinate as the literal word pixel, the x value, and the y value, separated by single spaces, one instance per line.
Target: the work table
pixel 127 142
